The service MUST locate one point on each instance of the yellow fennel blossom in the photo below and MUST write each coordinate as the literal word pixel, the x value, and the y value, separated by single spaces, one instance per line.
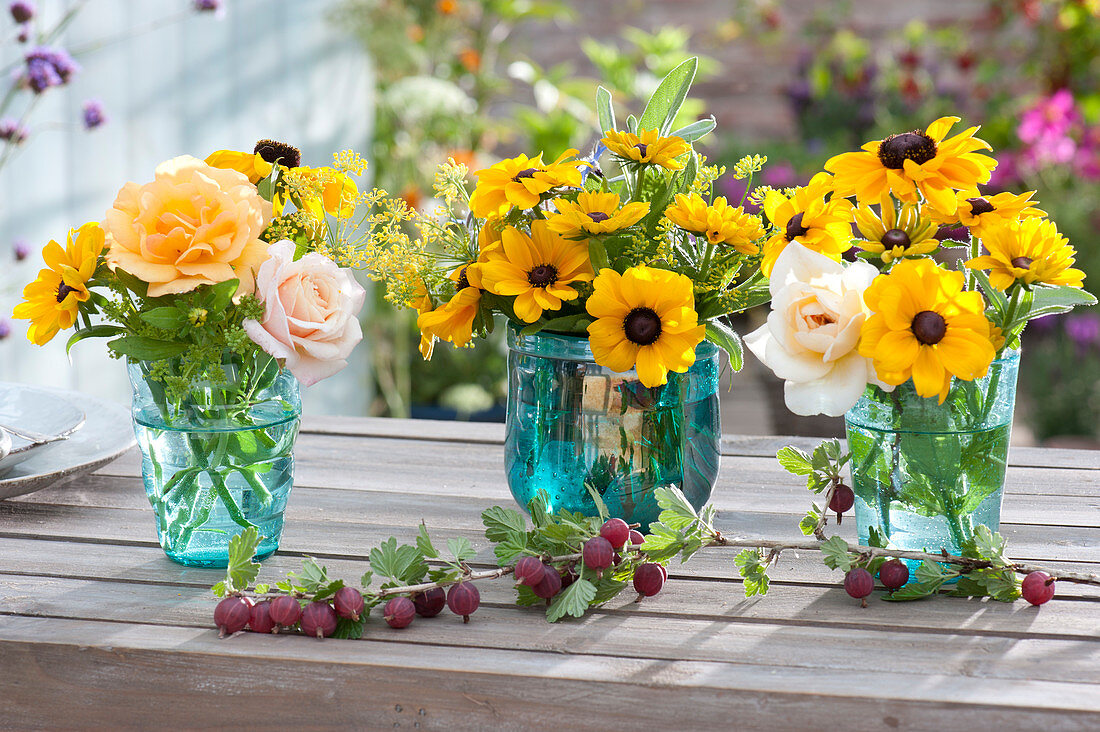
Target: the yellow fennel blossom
pixel 538 270
pixel 453 321
pixel 925 327
pixel 645 319
pixel 521 182
pixel 52 300
pixel 646 148
pixel 806 217
pixel 594 213
pixel 976 212
pixel 719 222
pixel 921 161
pixel 894 234
pixel 1031 252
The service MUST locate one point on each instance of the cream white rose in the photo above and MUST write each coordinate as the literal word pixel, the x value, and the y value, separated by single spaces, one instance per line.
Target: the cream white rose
pixel 811 337
pixel 310 313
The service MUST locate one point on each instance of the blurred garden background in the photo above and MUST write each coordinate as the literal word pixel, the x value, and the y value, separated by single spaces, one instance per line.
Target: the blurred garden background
pixel 410 83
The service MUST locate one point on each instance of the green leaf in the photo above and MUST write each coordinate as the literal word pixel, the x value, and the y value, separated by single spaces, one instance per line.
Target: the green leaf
pixel 537 507
pixel 424 542
pixel 218 297
pixel 809 521
pixel 510 548
pixel 664 105
pixel 312 577
pixel 605 110
pixel 876 538
pixel 727 339
pixel 834 552
pixel 929 572
pixel 631 124
pixel 1050 299
pixel 671 498
pixel 753 570
pixel 165 318
pixel 502 523
pixel 96 331
pixel 241 570
pixel 349 629
pixel 143 348
pixel 461 548
pixel 794 460
pixel 263 589
pixel 597 252
pixel 573 600
pixel 219 589
pixel 403 564
pixel 913 591
pixel 601 507
pixel 127 280
pixel 696 130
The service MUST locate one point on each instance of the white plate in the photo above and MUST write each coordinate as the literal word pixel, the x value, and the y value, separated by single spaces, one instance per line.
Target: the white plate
pixel 107 433
pixel 36 411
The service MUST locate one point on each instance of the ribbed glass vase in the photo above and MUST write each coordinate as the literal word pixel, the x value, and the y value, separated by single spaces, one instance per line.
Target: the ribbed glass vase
pixel 218 460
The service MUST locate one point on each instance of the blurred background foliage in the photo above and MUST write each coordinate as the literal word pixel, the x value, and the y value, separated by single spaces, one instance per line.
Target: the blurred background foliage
pixel 458 78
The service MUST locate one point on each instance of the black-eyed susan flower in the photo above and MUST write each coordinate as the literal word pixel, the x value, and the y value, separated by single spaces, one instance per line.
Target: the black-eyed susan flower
pixel 645 319
pixel 594 213
pixel 807 218
pixel 251 164
pixel 976 212
pixel 454 320
pixel 422 301
pixel 894 234
pixel 1031 252
pixel 911 162
pixel 647 147
pixel 538 270
pixel 719 222
pixel 925 327
pixel 488 237
pixel 521 182
pixel 52 300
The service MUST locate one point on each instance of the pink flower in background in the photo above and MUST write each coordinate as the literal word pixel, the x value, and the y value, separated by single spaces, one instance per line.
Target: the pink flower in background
pixel 1052 117
pixel 1087 162
pixel 1007 173
pixel 310 313
pixel 779 175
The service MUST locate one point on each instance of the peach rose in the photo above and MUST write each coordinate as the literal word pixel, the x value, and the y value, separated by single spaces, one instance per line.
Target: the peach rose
pixel 310 309
pixel 193 225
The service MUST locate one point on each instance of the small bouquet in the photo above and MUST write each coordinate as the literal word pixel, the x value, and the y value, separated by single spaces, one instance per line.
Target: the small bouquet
pixel 917 340
pixel 899 313
pixel 643 262
pixel 224 283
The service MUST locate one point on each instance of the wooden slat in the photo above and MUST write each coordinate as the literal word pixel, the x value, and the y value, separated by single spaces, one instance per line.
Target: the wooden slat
pixel 121 674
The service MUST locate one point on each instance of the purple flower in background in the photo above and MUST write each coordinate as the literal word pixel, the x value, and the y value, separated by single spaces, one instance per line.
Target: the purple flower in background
pixel 1007 173
pixel 733 189
pixel 93 114
pixel 21 11
pixel 24 33
pixel 48 67
pixel 593 160
pixel 5 329
pixel 947 232
pixel 1083 329
pixel 208 6
pixel 779 175
pixel 21 249
pixel 1052 117
pixel 1045 324
pixel 12 131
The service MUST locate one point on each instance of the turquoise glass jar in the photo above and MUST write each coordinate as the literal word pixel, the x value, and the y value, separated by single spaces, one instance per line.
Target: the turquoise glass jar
pixel 219 460
pixel 575 428
pixel 927 474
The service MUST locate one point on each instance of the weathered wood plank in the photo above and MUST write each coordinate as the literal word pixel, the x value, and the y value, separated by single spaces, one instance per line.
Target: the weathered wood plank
pixel 630 632
pixel 743 445
pixel 132 674
pixel 348 528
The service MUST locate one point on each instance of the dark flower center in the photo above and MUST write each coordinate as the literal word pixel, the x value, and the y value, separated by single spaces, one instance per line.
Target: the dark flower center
pixel 929 327
pixel 915 146
pixel 543 275
pixel 642 326
pixel 598 216
pixel 526 173
pixel 1022 262
pixel 795 228
pixel 463 281
pixel 642 148
pixel 895 238
pixel 979 206
pixel 63 291
pixel 274 151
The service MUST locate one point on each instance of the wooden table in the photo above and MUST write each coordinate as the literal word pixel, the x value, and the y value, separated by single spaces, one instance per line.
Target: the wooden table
pixel 99 629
